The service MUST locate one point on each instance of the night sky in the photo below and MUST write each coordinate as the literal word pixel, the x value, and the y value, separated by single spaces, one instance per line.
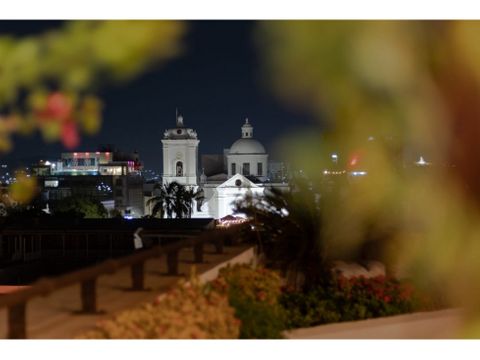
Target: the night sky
pixel 215 83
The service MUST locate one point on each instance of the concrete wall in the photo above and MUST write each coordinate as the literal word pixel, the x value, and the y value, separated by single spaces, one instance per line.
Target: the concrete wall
pixel 442 324
pixel 248 256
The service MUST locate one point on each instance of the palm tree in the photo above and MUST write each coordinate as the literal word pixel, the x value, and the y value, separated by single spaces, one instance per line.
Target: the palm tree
pixel 173 199
pixel 290 228
pixel 160 201
pixel 188 196
pixel 180 202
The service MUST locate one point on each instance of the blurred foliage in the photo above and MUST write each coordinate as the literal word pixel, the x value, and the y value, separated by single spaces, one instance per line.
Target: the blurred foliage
pixel 289 233
pixel 253 292
pixel 188 311
pixel 254 283
pixel 412 87
pixel 48 81
pixel 23 190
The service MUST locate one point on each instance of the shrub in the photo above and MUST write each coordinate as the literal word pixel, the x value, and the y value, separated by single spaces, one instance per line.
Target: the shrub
pixel 254 293
pixel 362 298
pixel 347 300
pixel 189 311
pixel 79 207
pixel 304 309
pixel 258 284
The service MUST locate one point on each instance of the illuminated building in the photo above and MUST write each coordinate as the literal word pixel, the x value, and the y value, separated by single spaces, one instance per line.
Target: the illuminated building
pixel 96 163
pixel 247 156
pixel 180 154
pixel 110 177
pixel 242 169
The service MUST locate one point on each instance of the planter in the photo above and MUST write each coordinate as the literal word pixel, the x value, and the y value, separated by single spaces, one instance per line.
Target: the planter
pixel 441 324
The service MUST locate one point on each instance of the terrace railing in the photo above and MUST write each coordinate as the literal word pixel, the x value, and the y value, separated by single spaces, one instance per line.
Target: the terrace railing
pixel 16 302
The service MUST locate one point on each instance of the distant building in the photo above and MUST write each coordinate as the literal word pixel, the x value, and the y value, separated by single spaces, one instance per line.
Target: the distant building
pixel 213 164
pixel 180 154
pixel 81 163
pixel 117 180
pixel 111 177
pixel 224 178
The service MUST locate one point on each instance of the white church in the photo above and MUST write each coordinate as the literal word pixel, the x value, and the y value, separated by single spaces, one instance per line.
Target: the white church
pixel 241 169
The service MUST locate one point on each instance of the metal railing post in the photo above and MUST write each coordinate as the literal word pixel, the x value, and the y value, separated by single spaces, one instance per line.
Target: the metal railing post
pixel 172 262
pixel 89 296
pixel 138 276
pixel 219 245
pixel 198 252
pixel 17 322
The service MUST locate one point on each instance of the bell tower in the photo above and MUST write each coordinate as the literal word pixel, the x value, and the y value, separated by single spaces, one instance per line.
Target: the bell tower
pixel 180 154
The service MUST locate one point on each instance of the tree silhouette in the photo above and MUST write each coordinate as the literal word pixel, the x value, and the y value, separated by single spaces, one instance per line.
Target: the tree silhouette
pixel 290 232
pixel 172 200
pixel 79 206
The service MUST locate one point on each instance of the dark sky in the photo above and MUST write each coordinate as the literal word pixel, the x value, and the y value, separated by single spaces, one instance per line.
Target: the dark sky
pixel 216 83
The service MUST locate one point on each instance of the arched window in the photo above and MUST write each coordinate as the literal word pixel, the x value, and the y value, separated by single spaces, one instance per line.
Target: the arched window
pixel 179 168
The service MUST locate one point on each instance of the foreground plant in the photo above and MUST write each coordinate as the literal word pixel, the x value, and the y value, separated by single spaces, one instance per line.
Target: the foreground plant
pixel 356 298
pixel 253 293
pixel 289 229
pixel 189 311
pixel 48 81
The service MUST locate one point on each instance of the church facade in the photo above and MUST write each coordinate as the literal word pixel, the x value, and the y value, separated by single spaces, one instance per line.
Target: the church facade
pixel 242 169
pixel 180 154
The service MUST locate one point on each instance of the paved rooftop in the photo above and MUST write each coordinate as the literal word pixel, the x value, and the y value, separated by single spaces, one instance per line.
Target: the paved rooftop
pixel 55 317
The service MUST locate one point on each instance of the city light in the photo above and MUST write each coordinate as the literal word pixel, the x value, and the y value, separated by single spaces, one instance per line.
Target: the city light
pixel 354 159
pixel 358 173
pixel 329 172
pixel 421 162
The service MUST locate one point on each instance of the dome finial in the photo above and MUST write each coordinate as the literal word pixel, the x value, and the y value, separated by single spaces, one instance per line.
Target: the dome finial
pixel 247 130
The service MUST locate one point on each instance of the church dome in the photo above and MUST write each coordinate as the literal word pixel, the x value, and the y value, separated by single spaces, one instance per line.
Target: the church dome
pixel 247 145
